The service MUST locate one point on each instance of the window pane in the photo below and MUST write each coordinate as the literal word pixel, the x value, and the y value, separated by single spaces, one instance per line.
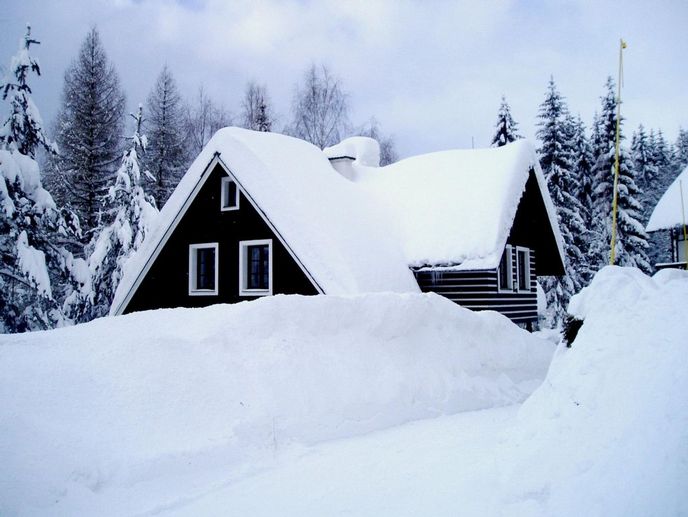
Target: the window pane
pixel 523 280
pixel 229 193
pixel 258 267
pixel 681 244
pixel 504 271
pixel 232 194
pixel 265 266
pixel 205 268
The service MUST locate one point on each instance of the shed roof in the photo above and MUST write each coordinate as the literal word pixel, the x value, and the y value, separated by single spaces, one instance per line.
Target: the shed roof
pixel 669 212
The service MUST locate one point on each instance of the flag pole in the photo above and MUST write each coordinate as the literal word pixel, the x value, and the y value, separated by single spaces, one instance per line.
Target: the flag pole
pixel 612 254
pixel 683 218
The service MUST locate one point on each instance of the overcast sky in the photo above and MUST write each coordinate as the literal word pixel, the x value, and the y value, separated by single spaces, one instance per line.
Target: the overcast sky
pixel 431 72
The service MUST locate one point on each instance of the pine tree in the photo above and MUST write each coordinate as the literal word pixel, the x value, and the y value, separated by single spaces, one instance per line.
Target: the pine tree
pixel 556 132
pixel 507 128
pixel 165 156
pixel 36 272
pixel 88 132
pixel 631 239
pixel 256 109
pixel 132 212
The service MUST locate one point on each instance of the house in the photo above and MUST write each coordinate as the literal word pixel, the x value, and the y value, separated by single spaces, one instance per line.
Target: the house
pixel 262 213
pixel 669 217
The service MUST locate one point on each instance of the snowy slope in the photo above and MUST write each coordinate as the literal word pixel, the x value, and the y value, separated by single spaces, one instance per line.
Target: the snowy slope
pixel 102 414
pixel 607 432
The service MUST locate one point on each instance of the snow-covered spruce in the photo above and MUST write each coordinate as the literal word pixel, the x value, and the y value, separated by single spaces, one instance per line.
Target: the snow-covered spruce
pixel 557 135
pixel 631 239
pixel 506 126
pixel 133 213
pixel 36 271
pixel 681 150
pixel 23 129
pixel 582 171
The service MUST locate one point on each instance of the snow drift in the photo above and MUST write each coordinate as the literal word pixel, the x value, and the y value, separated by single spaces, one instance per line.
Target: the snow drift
pixel 606 435
pixel 116 402
pixel 607 432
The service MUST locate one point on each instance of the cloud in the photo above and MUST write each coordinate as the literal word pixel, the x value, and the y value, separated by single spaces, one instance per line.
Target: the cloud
pixel 431 72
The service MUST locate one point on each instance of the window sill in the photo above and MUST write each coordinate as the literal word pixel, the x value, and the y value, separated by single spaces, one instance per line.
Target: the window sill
pixel 255 292
pixel 203 292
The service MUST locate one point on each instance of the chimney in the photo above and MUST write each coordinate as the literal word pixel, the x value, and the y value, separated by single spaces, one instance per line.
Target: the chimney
pixel 344 166
pixel 349 155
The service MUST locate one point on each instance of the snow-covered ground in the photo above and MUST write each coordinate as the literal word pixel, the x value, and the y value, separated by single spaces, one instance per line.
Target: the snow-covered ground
pixel 376 405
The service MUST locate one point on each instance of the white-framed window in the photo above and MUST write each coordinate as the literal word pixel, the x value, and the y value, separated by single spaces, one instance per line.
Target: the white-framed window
pixel 255 267
pixel 523 269
pixel 203 269
pixel 505 276
pixel 229 194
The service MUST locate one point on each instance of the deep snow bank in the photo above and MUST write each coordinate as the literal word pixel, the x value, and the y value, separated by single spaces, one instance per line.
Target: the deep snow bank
pixel 120 400
pixel 607 432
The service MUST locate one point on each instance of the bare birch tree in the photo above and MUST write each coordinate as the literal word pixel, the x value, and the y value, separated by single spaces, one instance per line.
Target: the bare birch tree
pixel 256 108
pixel 202 117
pixel 320 109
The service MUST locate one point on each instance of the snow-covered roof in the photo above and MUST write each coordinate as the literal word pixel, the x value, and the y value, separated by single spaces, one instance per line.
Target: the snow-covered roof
pixel 453 207
pixel 457 207
pixel 323 218
pixel 669 212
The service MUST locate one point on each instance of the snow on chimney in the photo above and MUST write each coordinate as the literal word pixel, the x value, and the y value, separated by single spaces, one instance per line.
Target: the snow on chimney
pixel 356 150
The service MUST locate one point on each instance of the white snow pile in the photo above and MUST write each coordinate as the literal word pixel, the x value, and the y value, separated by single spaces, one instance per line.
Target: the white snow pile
pixel 93 417
pixel 607 432
pixel 606 435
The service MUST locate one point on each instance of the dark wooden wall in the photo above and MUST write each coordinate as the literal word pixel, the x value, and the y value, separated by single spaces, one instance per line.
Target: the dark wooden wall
pixel 531 229
pixel 478 291
pixel 167 282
